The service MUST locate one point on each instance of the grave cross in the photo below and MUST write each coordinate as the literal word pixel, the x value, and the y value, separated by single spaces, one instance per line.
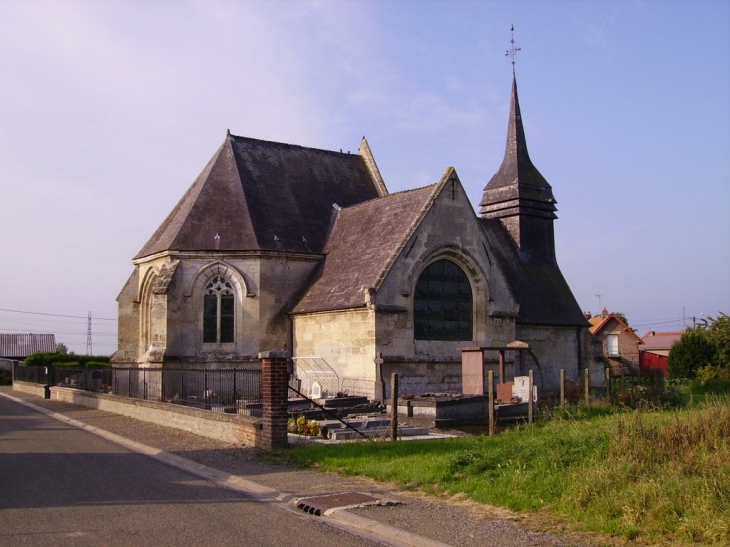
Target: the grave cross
pixel 379 383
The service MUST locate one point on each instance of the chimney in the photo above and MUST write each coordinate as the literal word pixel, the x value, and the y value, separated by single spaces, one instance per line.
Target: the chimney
pixel 604 313
pixel 587 315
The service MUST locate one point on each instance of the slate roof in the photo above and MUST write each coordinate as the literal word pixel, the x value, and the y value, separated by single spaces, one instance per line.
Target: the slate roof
pixel 19 346
pixel 365 239
pixel 544 296
pixel 261 195
pixel 517 187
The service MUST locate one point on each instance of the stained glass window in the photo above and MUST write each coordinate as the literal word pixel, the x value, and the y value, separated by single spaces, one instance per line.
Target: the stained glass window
pixel 442 305
pixel 218 311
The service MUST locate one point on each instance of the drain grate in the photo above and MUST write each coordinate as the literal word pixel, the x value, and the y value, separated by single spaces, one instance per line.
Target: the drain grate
pixel 320 505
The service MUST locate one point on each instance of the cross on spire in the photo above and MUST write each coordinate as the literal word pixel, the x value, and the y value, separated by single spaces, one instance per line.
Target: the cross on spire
pixel 512 51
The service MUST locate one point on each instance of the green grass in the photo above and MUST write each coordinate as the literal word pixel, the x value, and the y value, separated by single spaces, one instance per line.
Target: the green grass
pixel 656 476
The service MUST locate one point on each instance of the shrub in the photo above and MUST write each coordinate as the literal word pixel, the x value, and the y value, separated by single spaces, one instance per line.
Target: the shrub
pixel 6 378
pixel 47 359
pixel 692 351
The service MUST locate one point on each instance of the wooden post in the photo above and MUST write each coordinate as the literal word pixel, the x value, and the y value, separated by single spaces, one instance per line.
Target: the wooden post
pixel 623 381
pixel 607 381
pixel 490 411
pixel 501 366
pixel 530 398
pixel 587 382
pixel 394 406
pixel 562 387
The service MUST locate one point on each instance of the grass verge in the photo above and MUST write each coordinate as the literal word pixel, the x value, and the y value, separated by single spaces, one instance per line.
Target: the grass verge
pixel 650 476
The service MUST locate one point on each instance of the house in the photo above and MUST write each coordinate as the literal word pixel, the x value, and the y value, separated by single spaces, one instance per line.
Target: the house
pixel 278 246
pixel 619 341
pixel 16 347
pixel 655 350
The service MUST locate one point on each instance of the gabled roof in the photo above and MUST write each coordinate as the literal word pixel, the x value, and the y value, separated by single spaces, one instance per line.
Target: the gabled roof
pixel 602 323
pixel 660 340
pixel 517 187
pixel 543 294
pixel 260 195
pixel 19 346
pixel 364 242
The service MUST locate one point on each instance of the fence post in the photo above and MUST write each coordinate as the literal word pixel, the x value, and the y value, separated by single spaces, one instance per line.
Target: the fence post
pixel 275 391
pixel 562 387
pixel 394 406
pixel 587 376
pixel 49 382
pixel 530 398
pixel 607 381
pixel 490 387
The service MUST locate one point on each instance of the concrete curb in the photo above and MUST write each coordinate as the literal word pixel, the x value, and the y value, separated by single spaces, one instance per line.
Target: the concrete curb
pixel 394 536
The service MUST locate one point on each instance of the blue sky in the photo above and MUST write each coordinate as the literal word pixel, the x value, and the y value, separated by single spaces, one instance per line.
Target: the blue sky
pixel 109 110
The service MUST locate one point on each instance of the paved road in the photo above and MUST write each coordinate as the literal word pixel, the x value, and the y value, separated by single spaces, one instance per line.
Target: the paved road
pixel 62 486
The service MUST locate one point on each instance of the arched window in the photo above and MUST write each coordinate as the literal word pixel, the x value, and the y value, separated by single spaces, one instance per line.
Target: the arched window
pixel 442 306
pixel 218 311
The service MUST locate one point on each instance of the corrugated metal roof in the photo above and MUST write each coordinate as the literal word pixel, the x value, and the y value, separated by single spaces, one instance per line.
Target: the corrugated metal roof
pixel 19 346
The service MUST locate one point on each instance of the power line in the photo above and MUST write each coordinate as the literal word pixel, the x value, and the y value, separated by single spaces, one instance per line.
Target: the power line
pixel 57 315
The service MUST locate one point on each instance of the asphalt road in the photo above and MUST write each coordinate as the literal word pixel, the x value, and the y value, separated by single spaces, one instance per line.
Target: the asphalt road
pixel 62 486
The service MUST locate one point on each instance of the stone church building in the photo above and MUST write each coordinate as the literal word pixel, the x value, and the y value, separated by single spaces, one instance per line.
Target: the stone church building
pixel 277 246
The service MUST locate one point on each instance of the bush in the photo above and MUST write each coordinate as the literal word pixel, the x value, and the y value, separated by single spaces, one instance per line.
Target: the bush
pixel 691 352
pixel 47 359
pixel 6 377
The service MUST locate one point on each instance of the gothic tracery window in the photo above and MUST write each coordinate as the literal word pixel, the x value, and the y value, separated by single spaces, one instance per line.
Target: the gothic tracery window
pixel 218 311
pixel 442 306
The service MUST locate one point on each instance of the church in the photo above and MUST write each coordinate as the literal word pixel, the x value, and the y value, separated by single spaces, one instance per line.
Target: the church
pixel 277 246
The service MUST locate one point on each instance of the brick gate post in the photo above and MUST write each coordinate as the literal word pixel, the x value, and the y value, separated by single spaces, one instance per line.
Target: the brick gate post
pixel 275 387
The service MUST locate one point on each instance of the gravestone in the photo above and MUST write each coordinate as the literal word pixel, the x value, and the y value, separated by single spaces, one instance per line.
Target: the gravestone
pixel 504 391
pixel 521 389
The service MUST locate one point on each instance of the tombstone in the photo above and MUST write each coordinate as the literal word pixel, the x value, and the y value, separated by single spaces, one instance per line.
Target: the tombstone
pixel 504 391
pixel 316 391
pixel 521 389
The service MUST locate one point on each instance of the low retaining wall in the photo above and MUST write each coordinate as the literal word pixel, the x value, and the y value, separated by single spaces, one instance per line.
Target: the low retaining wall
pixel 31 388
pixel 231 428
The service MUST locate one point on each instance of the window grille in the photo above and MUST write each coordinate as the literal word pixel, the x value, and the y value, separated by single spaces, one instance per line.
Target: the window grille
pixel 443 307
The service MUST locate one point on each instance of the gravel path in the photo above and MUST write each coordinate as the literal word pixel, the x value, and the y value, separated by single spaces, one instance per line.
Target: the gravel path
pixel 454 521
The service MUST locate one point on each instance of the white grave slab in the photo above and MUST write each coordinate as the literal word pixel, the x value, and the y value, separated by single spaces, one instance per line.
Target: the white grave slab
pixel 521 389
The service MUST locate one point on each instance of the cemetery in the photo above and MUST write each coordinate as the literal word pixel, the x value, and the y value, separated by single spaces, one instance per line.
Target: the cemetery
pixel 480 402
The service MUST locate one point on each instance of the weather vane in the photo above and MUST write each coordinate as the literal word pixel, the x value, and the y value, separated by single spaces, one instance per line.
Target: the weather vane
pixel 512 51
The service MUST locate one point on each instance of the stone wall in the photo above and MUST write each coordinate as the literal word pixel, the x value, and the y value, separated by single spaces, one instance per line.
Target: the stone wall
pixel 344 339
pixel 554 349
pixel 229 428
pixel 160 307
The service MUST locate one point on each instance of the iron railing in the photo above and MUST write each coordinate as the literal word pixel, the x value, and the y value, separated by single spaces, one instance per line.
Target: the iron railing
pixel 235 391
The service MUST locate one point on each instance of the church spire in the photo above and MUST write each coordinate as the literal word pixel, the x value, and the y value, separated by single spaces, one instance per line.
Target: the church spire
pixel 518 195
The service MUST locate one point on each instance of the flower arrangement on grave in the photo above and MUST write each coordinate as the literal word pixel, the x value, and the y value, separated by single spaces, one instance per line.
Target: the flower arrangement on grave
pixel 302 426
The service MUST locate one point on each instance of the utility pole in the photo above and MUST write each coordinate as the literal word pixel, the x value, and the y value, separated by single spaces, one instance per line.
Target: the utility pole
pixel 89 349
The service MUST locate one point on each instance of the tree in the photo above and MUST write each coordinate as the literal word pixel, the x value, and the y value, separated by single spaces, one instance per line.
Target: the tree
pixel 622 317
pixel 718 331
pixel 61 348
pixel 695 349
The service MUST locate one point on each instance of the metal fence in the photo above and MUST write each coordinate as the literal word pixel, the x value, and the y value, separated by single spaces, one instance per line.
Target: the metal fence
pixel 235 391
pixel 37 375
